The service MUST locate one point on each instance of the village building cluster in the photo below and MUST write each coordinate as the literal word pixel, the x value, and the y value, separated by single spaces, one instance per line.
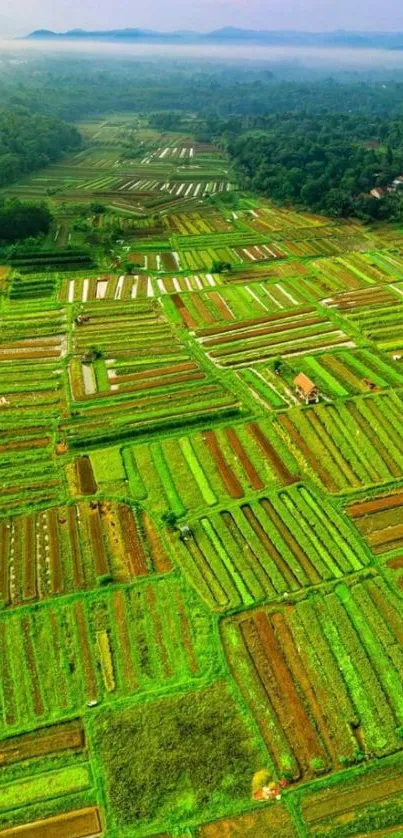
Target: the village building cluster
pixel 380 191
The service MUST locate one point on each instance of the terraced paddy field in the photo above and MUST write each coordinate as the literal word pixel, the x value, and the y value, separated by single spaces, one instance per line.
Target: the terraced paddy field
pixel 201 565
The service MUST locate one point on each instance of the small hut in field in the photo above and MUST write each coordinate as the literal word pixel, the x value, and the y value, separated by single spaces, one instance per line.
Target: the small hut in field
pixel 305 389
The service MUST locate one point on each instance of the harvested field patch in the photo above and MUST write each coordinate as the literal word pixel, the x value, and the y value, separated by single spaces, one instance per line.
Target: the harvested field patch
pixel 84 823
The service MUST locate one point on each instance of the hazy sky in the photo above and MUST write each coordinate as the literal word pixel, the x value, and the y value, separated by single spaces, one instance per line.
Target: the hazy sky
pixel 24 15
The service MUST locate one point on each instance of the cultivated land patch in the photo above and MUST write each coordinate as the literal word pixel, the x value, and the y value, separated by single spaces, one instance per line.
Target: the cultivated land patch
pixel 201 560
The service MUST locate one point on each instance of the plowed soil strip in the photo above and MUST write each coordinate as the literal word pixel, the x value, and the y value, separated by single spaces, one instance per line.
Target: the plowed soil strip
pixel 84 823
pixel 7 683
pixel 86 656
pixel 304 686
pixel 202 309
pixel 271 454
pixel 85 476
pixel 273 689
pixel 133 544
pixel 160 558
pixel 220 304
pixel 32 666
pixel 55 558
pixel 309 569
pixel 124 641
pixel 395 564
pixel 51 740
pixel 186 633
pixel 359 510
pixel 155 619
pixel 97 542
pixel 22 444
pixel 17 562
pixel 391 616
pixel 250 555
pixel 78 575
pixel 166 382
pixel 295 718
pixel 270 822
pixel 296 437
pixel 382 540
pixel 159 372
pixel 30 590
pixel 4 552
pixel 270 549
pixel 59 647
pixel 248 335
pixel 334 803
pixel 185 314
pixel 239 451
pixel 231 483
pixel 256 321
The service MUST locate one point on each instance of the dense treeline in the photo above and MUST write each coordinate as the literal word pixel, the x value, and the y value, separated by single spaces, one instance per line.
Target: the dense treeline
pixel 323 143
pixel 73 89
pixel 327 162
pixel 20 220
pixel 29 141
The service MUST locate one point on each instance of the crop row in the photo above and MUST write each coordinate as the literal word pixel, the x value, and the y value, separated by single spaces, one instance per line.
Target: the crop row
pixel 30 320
pixel 196 223
pixel 56 659
pixel 380 521
pixel 233 303
pixel 106 288
pixel 285 333
pixel 100 422
pixel 326 436
pixel 264 549
pixel 321 678
pixel 269 821
pixel 75 824
pixel 202 469
pixel 29 474
pixel 342 373
pixel 53 740
pixel 382 324
pixel 73 548
pixel 366 802
pixel 364 298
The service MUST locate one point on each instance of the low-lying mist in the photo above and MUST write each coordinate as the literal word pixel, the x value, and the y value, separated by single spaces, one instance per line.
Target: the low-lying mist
pixel 326 59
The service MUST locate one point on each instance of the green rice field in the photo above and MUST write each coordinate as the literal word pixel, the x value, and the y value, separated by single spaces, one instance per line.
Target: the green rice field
pixel 201 563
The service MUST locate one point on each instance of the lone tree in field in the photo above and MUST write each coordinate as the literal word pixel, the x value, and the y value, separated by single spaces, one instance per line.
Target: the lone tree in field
pixel 169 518
pixel 219 266
pixel 93 353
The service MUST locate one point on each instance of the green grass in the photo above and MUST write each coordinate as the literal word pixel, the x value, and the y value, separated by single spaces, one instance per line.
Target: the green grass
pixel 177 759
pixel 68 780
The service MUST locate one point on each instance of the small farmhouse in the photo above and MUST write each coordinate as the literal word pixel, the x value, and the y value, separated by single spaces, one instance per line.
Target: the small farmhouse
pixel 305 389
pixel 397 183
pixel 379 192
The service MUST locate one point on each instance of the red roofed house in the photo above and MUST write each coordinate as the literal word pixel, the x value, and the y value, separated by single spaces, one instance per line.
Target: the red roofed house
pixel 306 389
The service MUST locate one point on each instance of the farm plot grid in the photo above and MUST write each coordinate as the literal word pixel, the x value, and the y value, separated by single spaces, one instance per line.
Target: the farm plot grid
pixel 130 370
pixel 201 506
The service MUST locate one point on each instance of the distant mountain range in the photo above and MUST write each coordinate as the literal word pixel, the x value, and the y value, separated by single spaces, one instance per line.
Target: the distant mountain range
pixel 231 35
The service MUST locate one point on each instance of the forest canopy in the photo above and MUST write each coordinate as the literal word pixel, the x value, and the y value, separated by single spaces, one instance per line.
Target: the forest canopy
pixel 21 219
pixel 326 162
pixel 29 141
